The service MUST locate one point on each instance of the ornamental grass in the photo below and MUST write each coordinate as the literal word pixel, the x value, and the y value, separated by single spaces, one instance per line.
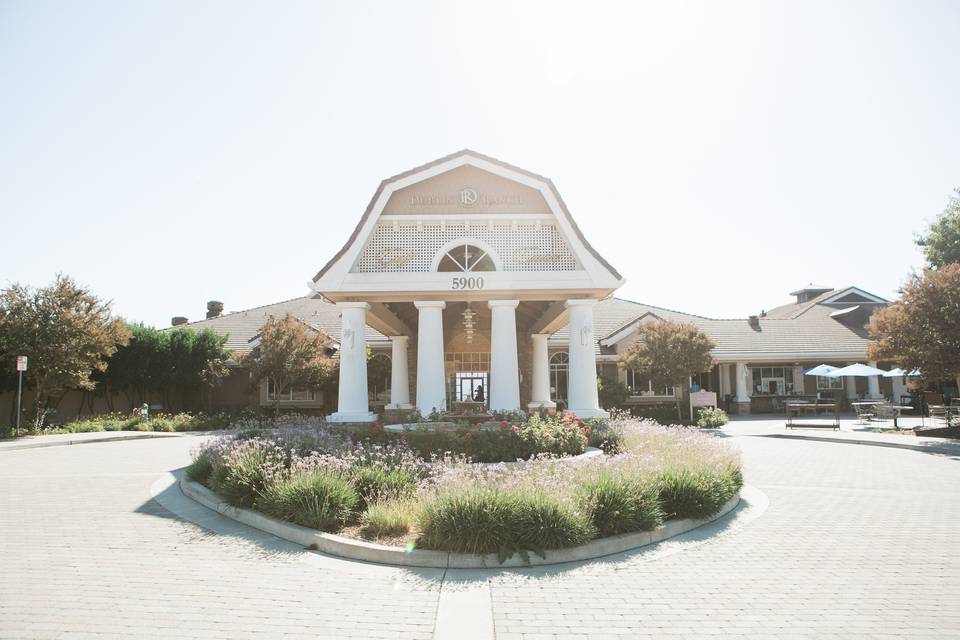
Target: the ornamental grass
pixel 319 476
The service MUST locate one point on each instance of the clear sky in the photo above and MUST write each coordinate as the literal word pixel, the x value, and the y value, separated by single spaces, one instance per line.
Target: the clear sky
pixel 718 154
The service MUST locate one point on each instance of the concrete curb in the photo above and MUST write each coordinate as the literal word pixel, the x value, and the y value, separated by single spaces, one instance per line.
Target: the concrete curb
pixel 369 552
pixel 934 447
pixel 64 443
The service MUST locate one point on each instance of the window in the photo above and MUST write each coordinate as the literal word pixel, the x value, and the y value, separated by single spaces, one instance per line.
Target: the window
pixel 466 257
pixel 379 377
pixel 775 381
pixel 827 384
pixel 640 385
pixel 559 365
pixel 291 393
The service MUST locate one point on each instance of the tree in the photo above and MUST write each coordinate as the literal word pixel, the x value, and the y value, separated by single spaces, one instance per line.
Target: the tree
pixel 179 364
pixel 668 352
pixel 66 332
pixel 289 354
pixel 941 243
pixel 922 329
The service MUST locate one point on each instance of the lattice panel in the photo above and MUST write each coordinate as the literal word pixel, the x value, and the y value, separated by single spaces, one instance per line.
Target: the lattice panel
pixel 411 248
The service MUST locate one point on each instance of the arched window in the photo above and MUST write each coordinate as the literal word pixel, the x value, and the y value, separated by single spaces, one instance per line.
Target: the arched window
pixel 466 257
pixel 559 364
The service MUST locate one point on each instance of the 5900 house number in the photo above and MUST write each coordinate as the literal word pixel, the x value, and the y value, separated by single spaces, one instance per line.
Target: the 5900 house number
pixel 466 283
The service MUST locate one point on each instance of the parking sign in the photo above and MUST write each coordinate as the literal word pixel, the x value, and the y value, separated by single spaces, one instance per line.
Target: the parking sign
pixel 21 363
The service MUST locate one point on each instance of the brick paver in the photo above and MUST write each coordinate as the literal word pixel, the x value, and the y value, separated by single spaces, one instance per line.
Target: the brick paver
pixel 856 542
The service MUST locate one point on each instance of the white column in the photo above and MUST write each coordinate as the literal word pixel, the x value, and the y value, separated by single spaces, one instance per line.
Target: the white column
pixel 399 375
pixel 540 391
pixel 743 385
pixel 353 401
pixel 504 366
pixel 723 372
pixel 851 384
pixel 582 374
pixel 798 386
pixel 431 378
pixel 873 383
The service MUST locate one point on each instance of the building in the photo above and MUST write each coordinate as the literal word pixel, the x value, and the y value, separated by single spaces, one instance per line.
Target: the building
pixel 471 278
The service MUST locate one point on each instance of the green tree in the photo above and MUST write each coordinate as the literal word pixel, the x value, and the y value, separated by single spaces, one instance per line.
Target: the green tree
pixel 922 329
pixel 669 352
pixel 66 332
pixel 941 242
pixel 289 354
pixel 177 365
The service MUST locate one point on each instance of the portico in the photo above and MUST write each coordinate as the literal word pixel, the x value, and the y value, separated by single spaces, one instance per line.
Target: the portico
pixel 478 263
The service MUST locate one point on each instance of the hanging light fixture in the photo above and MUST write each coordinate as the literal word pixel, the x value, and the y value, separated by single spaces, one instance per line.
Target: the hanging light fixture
pixel 468 326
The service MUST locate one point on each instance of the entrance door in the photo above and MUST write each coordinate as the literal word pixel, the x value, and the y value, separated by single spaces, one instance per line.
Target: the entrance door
pixel 471 386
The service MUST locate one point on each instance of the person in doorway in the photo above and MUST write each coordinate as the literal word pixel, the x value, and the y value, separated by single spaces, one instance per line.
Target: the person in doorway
pixel 478 393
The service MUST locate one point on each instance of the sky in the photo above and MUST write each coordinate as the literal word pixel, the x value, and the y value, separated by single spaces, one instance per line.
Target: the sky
pixel 719 155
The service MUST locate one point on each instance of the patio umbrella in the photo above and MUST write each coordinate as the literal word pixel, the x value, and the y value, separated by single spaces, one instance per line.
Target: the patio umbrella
pixel 896 373
pixel 856 370
pixel 820 370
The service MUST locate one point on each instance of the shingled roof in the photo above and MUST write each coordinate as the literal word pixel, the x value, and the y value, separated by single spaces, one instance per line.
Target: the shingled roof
pixel 791 331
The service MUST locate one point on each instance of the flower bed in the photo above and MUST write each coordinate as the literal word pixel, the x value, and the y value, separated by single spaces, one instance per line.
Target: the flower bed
pixel 322 478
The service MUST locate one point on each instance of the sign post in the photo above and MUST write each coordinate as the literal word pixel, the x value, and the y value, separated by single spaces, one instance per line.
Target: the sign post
pixel 21 367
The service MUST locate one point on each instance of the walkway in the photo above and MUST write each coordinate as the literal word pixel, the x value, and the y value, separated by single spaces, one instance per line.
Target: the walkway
pixel 856 542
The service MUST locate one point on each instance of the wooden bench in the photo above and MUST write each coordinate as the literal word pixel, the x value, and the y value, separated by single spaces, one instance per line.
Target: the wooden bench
pixel 796 409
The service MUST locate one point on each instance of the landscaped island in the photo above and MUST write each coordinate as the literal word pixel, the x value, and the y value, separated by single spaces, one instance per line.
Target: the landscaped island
pixel 532 492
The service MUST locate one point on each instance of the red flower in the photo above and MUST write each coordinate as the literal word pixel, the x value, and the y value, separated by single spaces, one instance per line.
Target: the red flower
pixel 586 440
pixel 516 428
pixel 503 424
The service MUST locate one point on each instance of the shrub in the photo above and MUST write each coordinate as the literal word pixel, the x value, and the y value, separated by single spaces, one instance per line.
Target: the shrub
pixel 321 499
pixel 244 471
pixel 374 483
pixel 201 467
pixel 620 504
pixel 697 492
pixel 606 438
pixel 389 517
pixel 711 417
pixel 488 520
pixel 664 414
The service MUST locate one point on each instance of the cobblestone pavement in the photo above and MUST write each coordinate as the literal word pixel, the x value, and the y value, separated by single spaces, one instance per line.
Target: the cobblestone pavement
pixel 856 542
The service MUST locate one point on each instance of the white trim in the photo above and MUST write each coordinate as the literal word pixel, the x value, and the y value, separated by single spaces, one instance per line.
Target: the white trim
pixel 337 277
pixel 860 292
pixel 627 331
pixel 788 356
pixel 412 219
pixel 459 242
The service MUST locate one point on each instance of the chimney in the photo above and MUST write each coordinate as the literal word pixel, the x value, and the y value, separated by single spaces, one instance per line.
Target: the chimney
pixel 214 309
pixel 754 322
pixel 176 321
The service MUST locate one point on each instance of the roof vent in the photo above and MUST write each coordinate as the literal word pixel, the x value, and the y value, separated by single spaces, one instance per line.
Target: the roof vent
pixel 754 322
pixel 176 321
pixel 214 309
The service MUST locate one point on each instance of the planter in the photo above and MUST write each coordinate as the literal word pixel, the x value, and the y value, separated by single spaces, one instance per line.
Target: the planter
pixel 371 552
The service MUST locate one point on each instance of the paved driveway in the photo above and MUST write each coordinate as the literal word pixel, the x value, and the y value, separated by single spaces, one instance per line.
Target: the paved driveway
pixel 856 541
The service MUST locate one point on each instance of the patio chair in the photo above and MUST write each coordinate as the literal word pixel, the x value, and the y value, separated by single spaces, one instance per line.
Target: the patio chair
pixel 864 413
pixel 938 412
pixel 884 411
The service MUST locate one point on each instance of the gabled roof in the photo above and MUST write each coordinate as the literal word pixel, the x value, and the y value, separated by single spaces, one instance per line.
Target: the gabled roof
pixel 242 327
pixel 430 169
pixel 809 335
pixel 832 296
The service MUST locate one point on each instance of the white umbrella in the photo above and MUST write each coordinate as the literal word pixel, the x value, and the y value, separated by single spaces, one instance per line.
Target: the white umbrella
pixel 857 370
pixel 820 370
pixel 896 373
